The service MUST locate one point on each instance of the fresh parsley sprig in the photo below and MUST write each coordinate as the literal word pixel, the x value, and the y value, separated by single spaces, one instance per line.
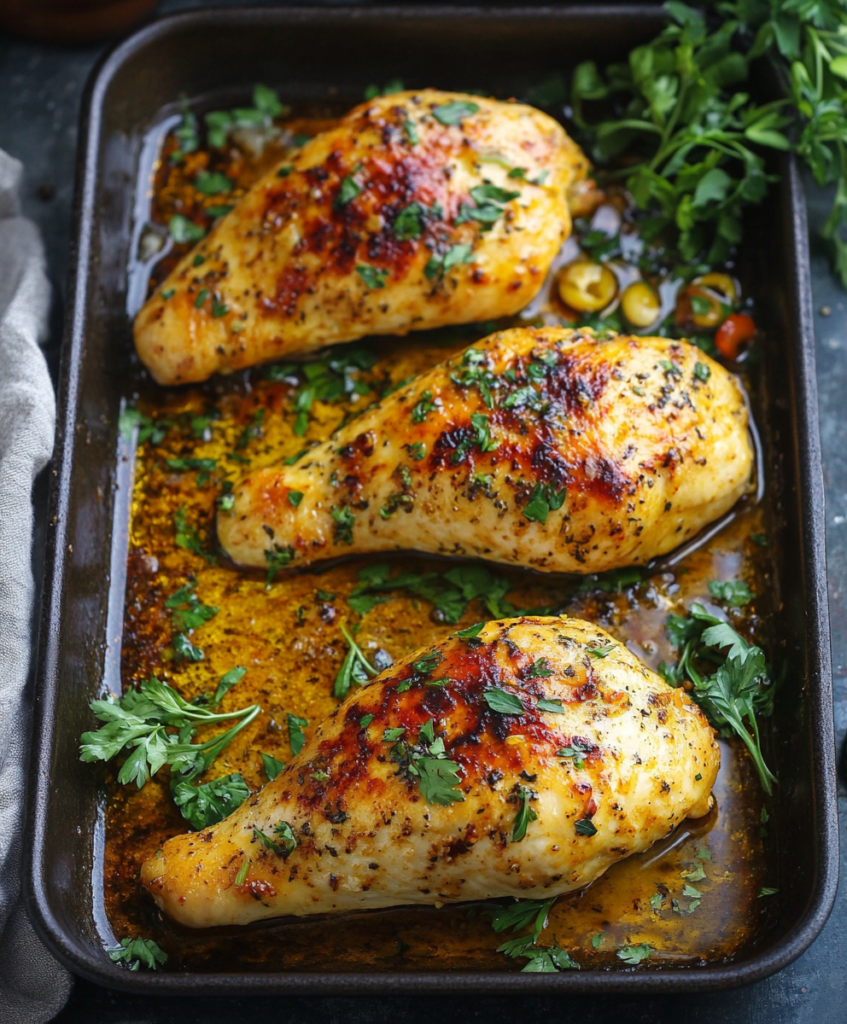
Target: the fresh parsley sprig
pixel 731 679
pixel 140 725
pixel 522 914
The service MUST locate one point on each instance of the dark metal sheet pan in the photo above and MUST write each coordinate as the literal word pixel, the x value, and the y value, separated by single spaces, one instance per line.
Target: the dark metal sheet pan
pixel 311 52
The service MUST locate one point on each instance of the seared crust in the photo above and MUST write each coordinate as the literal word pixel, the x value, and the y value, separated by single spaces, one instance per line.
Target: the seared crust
pixel 632 444
pixel 367 837
pixel 280 271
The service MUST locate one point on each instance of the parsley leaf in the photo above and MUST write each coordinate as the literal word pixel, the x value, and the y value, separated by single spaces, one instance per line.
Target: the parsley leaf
pixel 634 954
pixel 439 780
pixel 277 558
pixel 355 669
pixel 133 953
pixel 296 737
pixel 542 501
pixel 187 610
pixel 187 537
pixel 503 702
pixel 272 766
pixel 210 802
pixel 372 276
pixel 184 231
pixel 524 816
pixel 732 592
pixel 453 113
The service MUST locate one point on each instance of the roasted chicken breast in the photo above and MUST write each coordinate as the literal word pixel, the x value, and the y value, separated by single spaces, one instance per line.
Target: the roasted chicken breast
pixel 419 209
pixel 519 758
pixel 552 448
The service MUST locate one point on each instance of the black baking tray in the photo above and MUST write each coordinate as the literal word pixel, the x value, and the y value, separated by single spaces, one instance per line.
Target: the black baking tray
pixel 311 53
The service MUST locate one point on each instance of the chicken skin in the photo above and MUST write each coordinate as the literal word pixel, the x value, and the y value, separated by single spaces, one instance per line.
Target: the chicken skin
pixel 419 209
pixel 552 449
pixel 519 758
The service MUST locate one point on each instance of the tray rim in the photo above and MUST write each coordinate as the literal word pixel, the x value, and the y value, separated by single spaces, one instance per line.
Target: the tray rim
pixel 812 537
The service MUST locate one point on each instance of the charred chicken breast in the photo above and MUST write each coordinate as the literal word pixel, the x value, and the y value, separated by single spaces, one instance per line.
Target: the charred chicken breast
pixel 519 758
pixel 419 209
pixel 552 449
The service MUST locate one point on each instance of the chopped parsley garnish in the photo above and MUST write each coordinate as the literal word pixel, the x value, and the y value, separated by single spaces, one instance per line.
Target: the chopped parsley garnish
pixel 287 840
pixel 219 309
pixel 272 766
pixel 473 373
pixel 600 652
pixel 472 632
pixel 285 170
pixel 134 953
pixel 348 191
pixel 766 891
pixel 455 255
pixel 372 276
pixel 241 877
pixel 702 372
pixel 575 753
pixel 355 669
pixel 187 610
pixel 450 593
pixel 732 592
pixel 552 707
pixel 182 230
pixel 188 538
pixel 503 702
pixel 365 721
pixel 266 107
pixel 202 295
pixel 392 735
pixel 265 841
pixel 344 519
pixel 438 779
pixel 252 431
pixel 586 827
pixel 277 558
pixel 186 134
pixel 212 183
pixel 634 954
pixel 185 649
pixel 295 497
pixel 542 501
pixel 521 914
pixel 539 669
pixel 416 450
pixel 204 467
pixel 296 736
pixel 423 407
pixel 453 113
pixel 210 802
pixel 524 816
pixel 409 223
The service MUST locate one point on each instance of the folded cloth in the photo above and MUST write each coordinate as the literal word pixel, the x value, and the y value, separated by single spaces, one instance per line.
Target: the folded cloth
pixel 33 986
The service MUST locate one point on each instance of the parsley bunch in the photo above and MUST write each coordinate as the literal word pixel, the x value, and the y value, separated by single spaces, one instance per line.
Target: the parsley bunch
pixel 731 680
pixel 699 140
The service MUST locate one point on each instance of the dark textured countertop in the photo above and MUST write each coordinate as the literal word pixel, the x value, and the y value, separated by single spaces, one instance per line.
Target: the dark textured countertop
pixel 40 90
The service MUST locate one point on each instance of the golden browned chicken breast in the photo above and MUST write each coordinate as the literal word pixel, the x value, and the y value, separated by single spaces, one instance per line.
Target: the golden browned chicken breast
pixel 419 209
pixel 550 448
pixel 520 758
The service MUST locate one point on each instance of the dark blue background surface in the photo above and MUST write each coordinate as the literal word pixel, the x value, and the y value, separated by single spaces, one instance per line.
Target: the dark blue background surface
pixel 40 90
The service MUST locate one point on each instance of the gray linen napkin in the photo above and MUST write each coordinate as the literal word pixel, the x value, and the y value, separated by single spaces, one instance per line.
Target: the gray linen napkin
pixel 33 987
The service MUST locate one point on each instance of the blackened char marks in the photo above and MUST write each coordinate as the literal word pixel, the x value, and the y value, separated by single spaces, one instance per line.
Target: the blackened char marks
pixel 576 382
pixel 361 230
